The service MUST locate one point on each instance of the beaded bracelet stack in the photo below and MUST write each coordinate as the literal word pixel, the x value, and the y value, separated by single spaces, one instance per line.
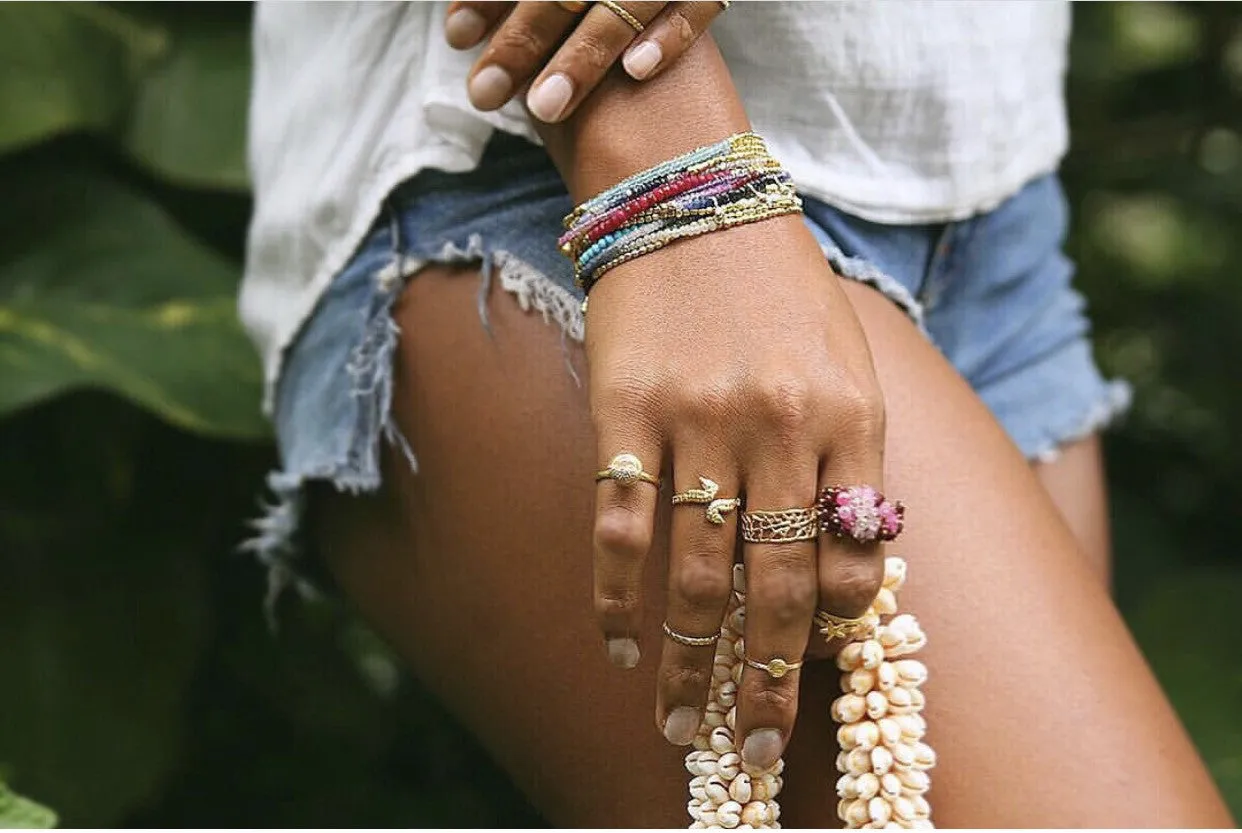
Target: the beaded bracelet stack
pixel 730 183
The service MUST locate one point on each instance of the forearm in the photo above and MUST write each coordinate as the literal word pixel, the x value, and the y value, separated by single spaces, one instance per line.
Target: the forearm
pixel 627 126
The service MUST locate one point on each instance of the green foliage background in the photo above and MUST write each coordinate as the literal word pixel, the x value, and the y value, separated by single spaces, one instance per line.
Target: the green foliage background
pixel 138 684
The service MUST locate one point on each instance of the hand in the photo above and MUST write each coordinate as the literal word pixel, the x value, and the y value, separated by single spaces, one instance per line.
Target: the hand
pixel 571 51
pixel 735 356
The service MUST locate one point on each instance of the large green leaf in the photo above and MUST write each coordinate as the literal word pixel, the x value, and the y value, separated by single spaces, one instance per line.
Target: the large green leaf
pixel 99 288
pixel 168 81
pixel 17 812
pixel 1200 665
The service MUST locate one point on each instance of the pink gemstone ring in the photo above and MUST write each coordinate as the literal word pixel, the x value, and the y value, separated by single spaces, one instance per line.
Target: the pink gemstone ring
pixel 860 513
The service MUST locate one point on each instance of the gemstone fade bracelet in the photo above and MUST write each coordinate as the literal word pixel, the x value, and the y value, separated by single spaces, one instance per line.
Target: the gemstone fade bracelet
pixel 730 183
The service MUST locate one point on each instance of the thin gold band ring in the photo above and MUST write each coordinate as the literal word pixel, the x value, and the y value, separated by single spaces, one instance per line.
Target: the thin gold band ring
pixel 691 641
pixel 626 469
pixel 621 12
pixel 775 667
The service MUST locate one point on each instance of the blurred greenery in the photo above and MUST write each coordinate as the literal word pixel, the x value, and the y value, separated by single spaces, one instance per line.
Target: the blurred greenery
pixel 139 684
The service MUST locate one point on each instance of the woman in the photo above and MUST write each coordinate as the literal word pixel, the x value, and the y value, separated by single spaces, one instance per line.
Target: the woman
pixel 396 225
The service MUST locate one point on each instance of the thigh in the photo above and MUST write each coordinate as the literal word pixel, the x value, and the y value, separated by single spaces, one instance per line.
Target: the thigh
pixel 1076 483
pixel 478 570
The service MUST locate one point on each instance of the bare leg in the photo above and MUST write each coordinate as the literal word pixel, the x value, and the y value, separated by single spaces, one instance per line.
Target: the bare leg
pixel 479 572
pixel 1076 482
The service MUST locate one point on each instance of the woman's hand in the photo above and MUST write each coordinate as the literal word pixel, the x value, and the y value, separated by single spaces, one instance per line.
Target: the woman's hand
pixel 733 356
pixel 571 50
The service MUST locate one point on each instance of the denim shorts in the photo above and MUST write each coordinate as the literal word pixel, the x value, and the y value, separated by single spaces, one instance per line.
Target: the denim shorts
pixel 992 292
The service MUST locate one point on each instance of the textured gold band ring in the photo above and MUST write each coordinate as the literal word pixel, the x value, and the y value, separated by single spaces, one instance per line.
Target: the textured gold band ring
pixel 832 626
pixel 626 469
pixel 775 667
pixel 716 507
pixel 621 12
pixel 781 527
pixel 691 641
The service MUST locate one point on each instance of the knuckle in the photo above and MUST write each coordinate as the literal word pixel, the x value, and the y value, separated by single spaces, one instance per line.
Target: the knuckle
pixel 769 699
pixel 786 598
pixel 685 678
pixel 704 404
pixel 590 57
pixel 850 586
pixel 614 603
pixel 862 408
pixel 621 532
pixel 682 32
pixel 516 44
pixel 623 395
pixel 787 405
pixel 703 586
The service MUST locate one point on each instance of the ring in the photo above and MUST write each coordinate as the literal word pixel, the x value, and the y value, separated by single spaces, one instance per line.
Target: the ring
pixel 781 527
pixel 716 507
pixel 574 6
pixel 832 626
pixel 776 667
pixel 860 513
pixel 619 11
pixel 724 4
pixel 627 470
pixel 692 641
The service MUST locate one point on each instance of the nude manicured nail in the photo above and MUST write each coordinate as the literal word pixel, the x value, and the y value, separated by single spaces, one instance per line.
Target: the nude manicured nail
pixel 549 97
pixel 464 28
pixel 623 653
pixel 642 59
pixel 490 88
pixel 762 748
pixel 682 725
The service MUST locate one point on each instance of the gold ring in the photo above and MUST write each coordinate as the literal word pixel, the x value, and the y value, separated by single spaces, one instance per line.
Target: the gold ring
pixel 620 11
pixel 574 6
pixel 832 626
pixel 717 507
pixel 780 527
pixel 776 667
pixel 692 641
pixel 627 470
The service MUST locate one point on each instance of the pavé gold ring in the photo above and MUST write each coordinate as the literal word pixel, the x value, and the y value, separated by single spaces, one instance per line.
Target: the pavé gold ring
pixel 691 641
pixel 621 12
pixel 626 470
pixel 775 667
pixel 783 526
pixel 717 507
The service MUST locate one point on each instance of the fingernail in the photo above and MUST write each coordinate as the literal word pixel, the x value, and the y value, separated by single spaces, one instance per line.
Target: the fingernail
pixel 490 88
pixel 548 99
pixel 762 748
pixel 623 653
pixel 682 725
pixel 642 59
pixel 464 28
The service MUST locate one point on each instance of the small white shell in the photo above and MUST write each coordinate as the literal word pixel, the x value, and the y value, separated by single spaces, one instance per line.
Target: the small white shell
pixel 731 719
pixel 739 576
pixel 737 620
pixel 736 675
pixel 850 657
pixel 713 719
pixel 871 654
pixel 726 695
pixel 903 808
pixel 850 708
pixel 717 790
pixel 859 681
pixel 922 809
pixel 879 810
pixel 890 730
pixel 847 786
pixel 867 786
pixel 721 740
pixel 729 814
pixel 755 814
pixel 890 785
pixel 910 672
pixel 924 756
pixel 858 762
pixel 899 700
pixel 885 602
pixel 740 789
pixel 894 573
pixel 876 705
pixel 698 791
pixel 903 753
pixel 856 814
pixel 885 676
pixel 729 765
pixel 912 726
pixel 721 672
pixel 914 781
pixel 881 760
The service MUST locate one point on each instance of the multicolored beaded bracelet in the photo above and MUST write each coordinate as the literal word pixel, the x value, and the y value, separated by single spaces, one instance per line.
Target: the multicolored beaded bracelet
pixel 726 184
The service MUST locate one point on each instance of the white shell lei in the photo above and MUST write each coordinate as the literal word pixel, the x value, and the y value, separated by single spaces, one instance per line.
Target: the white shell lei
pixel 883 758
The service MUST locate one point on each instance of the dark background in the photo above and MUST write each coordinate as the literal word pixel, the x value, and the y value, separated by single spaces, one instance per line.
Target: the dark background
pixel 138 683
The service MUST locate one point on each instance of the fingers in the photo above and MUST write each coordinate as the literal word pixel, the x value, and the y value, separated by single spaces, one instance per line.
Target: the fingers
pixel 704 532
pixel 625 506
pixel 781 590
pixel 466 22
pixel 587 54
pixel 520 45
pixel 671 33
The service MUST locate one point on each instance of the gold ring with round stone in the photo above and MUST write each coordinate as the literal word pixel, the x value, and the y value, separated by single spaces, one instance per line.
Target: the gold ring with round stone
pixel 621 12
pixel 832 626
pixel 717 507
pixel 691 641
pixel 574 6
pixel 775 667
pixel 780 527
pixel 626 470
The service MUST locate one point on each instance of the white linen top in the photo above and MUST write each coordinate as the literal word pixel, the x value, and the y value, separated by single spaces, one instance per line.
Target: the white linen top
pixel 899 112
